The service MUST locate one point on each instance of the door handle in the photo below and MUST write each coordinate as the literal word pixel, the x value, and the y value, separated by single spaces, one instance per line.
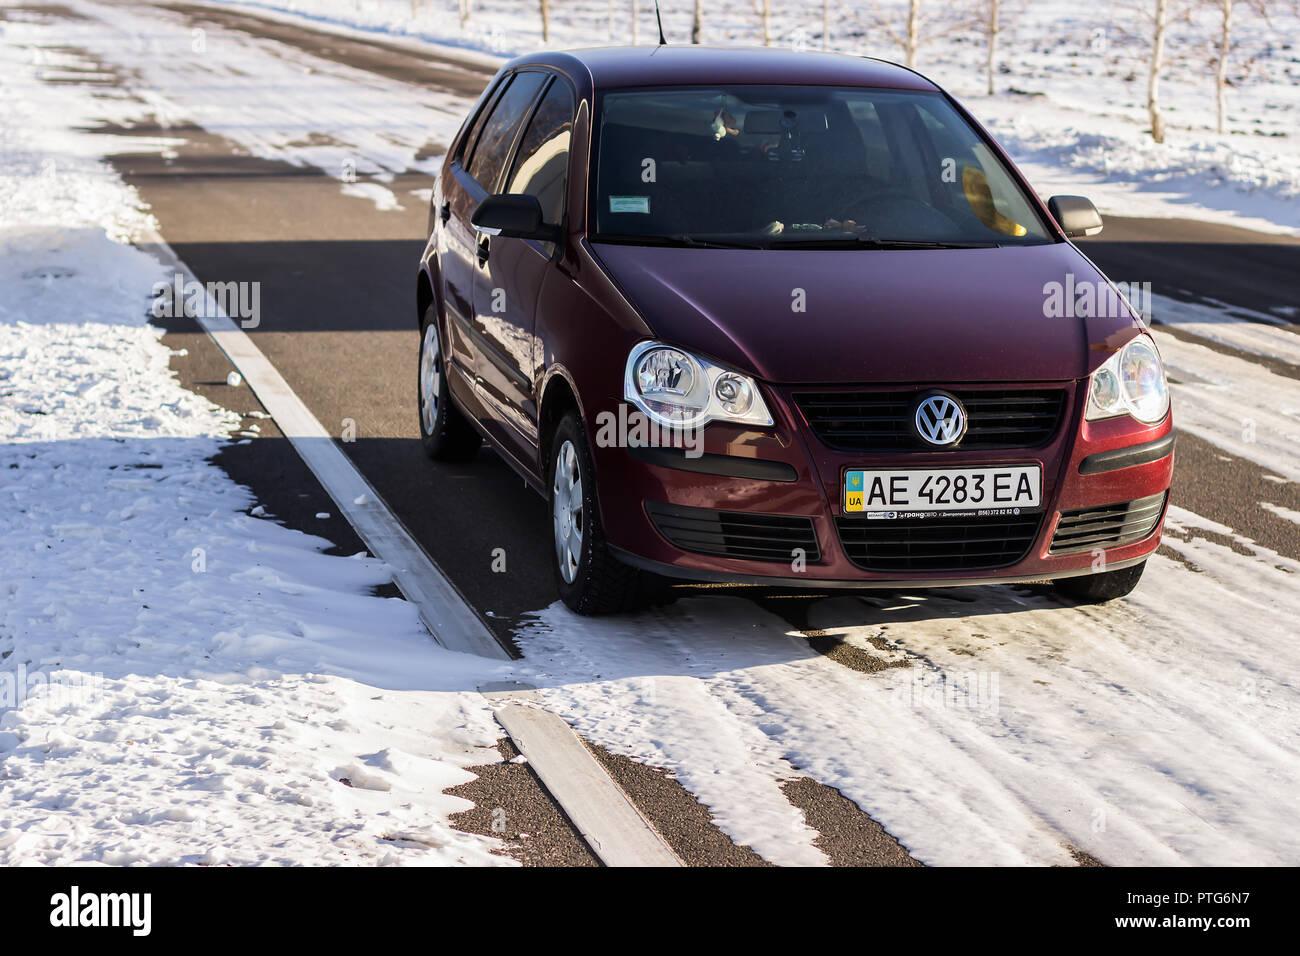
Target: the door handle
pixel 444 212
pixel 483 250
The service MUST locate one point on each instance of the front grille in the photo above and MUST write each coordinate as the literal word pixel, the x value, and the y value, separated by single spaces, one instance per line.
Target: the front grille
pixel 1108 526
pixel 735 534
pixel 964 543
pixel 882 421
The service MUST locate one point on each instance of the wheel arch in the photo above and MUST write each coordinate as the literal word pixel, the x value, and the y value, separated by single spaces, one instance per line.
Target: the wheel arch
pixel 559 395
pixel 425 294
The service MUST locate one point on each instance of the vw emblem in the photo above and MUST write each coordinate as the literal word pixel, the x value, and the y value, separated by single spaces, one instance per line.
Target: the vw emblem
pixel 940 419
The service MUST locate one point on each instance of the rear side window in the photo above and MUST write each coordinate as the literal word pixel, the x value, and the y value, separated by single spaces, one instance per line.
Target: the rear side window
pixel 498 134
pixel 542 160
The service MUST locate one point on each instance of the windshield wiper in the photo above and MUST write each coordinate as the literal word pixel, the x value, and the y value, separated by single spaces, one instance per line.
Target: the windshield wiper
pixel 871 242
pixel 676 240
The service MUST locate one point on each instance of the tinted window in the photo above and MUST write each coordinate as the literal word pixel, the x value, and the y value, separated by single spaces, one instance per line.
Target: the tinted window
pixel 767 165
pixel 542 160
pixel 499 130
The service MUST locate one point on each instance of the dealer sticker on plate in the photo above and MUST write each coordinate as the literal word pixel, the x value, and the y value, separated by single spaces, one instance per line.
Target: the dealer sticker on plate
pixel 943 489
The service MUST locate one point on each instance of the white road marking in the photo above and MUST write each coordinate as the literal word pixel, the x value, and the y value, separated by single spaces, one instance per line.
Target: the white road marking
pixel 450 619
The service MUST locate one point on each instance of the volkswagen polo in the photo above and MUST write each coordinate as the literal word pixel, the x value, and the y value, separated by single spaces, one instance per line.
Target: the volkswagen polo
pixel 783 318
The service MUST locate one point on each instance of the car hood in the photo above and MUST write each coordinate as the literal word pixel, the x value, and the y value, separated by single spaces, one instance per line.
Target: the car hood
pixel 927 315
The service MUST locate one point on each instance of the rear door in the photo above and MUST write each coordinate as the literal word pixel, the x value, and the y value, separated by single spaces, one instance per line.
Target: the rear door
pixel 510 278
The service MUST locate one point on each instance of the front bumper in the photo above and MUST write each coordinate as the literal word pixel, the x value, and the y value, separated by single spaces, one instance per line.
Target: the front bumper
pixel 788 471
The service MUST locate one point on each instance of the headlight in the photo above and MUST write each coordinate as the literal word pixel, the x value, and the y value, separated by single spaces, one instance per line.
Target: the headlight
pixel 681 390
pixel 1131 382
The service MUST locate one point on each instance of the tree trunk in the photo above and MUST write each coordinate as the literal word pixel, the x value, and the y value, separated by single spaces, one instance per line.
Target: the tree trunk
pixel 767 22
pixel 695 23
pixel 464 12
pixel 1221 74
pixel 1153 79
pixel 913 32
pixel 993 42
pixel 546 21
pixel 636 15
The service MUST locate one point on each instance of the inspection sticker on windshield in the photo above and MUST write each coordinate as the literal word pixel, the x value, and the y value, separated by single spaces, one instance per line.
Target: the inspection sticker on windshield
pixel 629 204
pixel 898 493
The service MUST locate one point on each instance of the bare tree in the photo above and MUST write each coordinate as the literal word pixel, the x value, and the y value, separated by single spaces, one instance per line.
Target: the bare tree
pixel 765 12
pixel 994 26
pixel 1160 23
pixel 1228 10
pixel 464 12
pixel 1221 68
pixel 695 22
pixel 826 24
pixel 546 21
pixel 636 15
pixel 920 29
pixel 913 32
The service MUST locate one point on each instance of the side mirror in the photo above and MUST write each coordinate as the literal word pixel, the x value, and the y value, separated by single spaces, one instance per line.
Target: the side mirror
pixel 1076 215
pixel 515 215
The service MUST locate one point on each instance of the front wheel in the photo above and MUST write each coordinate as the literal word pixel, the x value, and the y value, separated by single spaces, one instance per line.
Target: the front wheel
pixel 1098 588
pixel 444 431
pixel 590 579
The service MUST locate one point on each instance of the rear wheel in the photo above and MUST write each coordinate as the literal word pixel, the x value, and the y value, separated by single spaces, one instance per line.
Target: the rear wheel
pixel 1097 588
pixel 444 431
pixel 590 579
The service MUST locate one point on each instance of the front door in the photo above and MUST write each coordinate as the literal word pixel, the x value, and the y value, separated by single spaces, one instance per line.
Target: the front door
pixel 511 273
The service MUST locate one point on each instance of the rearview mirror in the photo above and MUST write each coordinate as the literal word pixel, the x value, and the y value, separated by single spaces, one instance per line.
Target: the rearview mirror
pixel 1076 215
pixel 515 215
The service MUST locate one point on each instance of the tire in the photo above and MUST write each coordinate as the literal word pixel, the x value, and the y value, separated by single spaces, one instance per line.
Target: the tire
pixel 590 579
pixel 444 431
pixel 1098 588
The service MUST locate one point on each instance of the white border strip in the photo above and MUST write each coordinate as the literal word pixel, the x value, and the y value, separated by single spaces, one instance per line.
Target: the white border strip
pixel 445 612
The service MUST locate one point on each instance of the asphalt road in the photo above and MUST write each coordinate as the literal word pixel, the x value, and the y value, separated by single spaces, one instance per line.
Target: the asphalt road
pixel 339 322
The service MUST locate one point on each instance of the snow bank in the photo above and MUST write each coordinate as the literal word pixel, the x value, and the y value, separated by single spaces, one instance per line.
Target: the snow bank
pixel 180 682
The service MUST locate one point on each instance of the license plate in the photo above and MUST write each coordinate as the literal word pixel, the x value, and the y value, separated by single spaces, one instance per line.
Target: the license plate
pixel 943 489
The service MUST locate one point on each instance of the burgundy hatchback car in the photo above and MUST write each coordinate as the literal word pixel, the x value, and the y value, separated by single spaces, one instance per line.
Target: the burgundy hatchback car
pixel 783 318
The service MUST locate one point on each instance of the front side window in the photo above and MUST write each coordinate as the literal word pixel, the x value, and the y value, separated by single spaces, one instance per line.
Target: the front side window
pixel 814 166
pixel 541 163
pixel 498 134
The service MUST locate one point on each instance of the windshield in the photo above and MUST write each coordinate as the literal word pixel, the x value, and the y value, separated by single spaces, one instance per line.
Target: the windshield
pixel 799 165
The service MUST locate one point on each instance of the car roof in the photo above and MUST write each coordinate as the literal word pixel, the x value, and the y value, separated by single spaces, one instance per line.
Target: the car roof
pixel 689 65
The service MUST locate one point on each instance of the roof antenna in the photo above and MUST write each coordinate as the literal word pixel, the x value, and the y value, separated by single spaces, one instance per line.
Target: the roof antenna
pixel 662 41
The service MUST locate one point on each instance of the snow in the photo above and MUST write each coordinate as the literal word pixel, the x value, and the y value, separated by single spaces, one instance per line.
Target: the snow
pixel 1156 731
pixel 1240 406
pixel 181 681
pixel 273 100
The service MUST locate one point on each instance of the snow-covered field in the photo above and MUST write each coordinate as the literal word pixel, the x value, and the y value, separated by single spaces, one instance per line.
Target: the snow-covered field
pixel 209 677
pixel 1071 83
pixel 180 681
